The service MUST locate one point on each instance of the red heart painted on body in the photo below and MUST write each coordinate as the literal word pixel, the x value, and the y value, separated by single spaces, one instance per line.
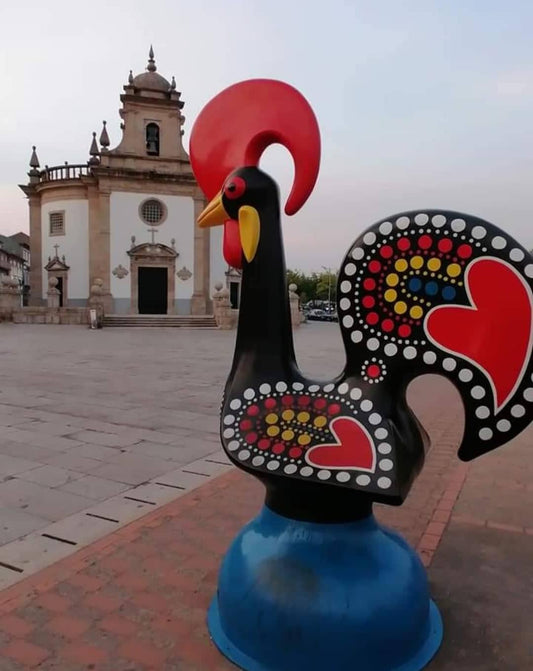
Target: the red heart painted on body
pixel 353 450
pixel 495 332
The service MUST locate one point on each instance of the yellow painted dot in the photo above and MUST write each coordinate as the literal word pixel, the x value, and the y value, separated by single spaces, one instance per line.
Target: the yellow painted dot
pixel 287 435
pixel 400 307
pixel 453 269
pixel 272 418
pixel 417 262
pixel 416 312
pixel 320 421
pixel 288 414
pixel 434 264
pixel 392 279
pixel 303 416
pixel 390 295
pixel 401 265
pixel 273 431
pixel 304 439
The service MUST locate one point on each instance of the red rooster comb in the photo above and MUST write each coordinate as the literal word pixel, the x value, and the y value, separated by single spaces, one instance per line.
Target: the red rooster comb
pixel 238 124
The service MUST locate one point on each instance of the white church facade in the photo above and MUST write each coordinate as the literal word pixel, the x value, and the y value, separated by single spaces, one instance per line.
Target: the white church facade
pixel 126 219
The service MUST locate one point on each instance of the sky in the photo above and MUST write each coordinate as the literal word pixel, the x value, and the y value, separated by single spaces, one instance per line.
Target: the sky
pixel 421 103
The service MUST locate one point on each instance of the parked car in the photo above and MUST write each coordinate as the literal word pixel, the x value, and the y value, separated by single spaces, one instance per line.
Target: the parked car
pixel 317 315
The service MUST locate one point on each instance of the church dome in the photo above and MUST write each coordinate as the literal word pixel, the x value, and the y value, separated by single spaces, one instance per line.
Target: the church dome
pixel 151 80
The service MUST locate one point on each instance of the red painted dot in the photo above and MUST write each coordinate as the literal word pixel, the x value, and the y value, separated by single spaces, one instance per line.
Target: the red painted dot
pixel 320 403
pixel 270 403
pixel 295 452
pixel 287 400
pixel 403 244
pixel 386 251
pixel 253 410
pixel 369 284
pixel 387 325
pixel 304 400
pixel 425 242
pixel 245 425
pixel 334 409
pixel 278 448
pixel 445 245
pixel 373 370
pixel 263 444
pixel 369 301
pixel 251 437
pixel 372 318
pixel 404 331
pixel 464 251
pixel 374 266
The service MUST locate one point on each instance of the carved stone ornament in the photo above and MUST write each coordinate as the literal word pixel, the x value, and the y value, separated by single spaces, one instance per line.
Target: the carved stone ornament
pixel 184 274
pixel 120 271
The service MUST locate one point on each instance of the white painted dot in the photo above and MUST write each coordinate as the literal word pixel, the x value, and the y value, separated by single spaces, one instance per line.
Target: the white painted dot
pixel 384 448
pixel 482 412
pixel 297 386
pixel 281 386
pixel 343 388
pixel 449 364
pixel 258 461
pixel 478 232
pixel 384 483
pixel 375 418
pixel 528 394
pixel 235 404
pixel 347 321
pixel 421 219
pixel 498 242
pixel 381 433
pixel 355 394
pixel 273 465
pixel 438 220
pixel 429 358
pixel 306 471
pixel 350 269
pixel 346 286
pixel 528 270
pixel 485 433
pixel 369 238
pixel 233 445
pixel 323 475
pixel 243 455
pixel 458 225
pixel 390 349
pixel 373 344
pixel 477 392
pixel 265 388
pixel 516 255
pixel 363 480
pixel 465 375
pixel 518 411
pixel 329 387
pixel 228 433
pixel 249 394
pixel 290 469
pixel 344 303
pixel 503 425
pixel 358 253
pixel 356 336
pixel 386 465
pixel 409 352
pixel 342 476
pixel 366 405
pixel 385 228
pixel 313 388
pixel 229 419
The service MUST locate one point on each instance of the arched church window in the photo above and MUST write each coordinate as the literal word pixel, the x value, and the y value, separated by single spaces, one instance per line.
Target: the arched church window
pixel 152 139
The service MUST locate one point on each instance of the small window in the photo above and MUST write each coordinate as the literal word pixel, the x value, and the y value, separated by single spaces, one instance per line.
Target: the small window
pixel 57 223
pixel 152 139
pixel 153 212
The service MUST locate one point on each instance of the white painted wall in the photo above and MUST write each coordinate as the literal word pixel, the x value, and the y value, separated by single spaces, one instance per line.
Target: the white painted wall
pixel 125 222
pixel 218 263
pixel 74 244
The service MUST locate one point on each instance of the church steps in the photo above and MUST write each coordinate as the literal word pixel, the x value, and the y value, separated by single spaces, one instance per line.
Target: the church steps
pixel 175 321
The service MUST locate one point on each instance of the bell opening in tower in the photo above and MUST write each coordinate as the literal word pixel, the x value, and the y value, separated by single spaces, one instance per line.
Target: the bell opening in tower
pixel 152 291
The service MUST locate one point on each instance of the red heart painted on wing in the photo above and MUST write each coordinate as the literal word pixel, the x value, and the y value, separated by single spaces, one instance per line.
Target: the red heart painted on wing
pixel 495 333
pixel 353 450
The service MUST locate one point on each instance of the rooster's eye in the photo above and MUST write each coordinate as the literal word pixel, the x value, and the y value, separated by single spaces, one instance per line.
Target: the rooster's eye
pixel 235 188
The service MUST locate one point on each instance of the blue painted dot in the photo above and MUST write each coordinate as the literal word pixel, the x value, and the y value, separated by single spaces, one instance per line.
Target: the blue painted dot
pixel 431 288
pixel 448 293
pixel 415 284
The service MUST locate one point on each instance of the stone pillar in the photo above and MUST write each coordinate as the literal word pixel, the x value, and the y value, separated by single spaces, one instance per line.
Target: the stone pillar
pixel 100 242
pixel 9 298
pixel 52 295
pixel 294 302
pixel 217 297
pixel 36 251
pixel 96 301
pixel 201 263
pixel 227 317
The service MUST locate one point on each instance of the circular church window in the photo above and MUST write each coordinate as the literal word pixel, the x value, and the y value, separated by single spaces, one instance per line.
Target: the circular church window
pixel 153 212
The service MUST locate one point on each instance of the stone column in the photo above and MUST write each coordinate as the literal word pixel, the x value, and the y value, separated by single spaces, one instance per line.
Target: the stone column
pixel 9 298
pixel 52 295
pixel 102 263
pixel 36 251
pixel 217 297
pixel 294 303
pixel 201 263
pixel 227 317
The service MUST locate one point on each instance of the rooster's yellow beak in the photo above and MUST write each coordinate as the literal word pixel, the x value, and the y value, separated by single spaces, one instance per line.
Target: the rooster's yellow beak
pixel 214 214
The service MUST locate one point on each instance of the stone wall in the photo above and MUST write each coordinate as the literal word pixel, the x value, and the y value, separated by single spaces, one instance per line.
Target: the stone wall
pixel 45 315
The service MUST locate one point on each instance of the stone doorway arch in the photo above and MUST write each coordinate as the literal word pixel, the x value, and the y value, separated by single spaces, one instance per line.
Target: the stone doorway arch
pixel 152 255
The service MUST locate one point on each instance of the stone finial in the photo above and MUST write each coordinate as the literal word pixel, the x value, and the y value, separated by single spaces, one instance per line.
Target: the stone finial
pixel 151 67
pixel 93 151
pixel 173 84
pixel 130 78
pixel 34 167
pixel 104 137
pixel 52 282
pixel 133 241
pixel 34 161
pixel 218 286
pixel 293 288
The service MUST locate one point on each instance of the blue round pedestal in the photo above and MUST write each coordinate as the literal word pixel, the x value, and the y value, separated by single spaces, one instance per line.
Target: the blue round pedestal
pixel 347 597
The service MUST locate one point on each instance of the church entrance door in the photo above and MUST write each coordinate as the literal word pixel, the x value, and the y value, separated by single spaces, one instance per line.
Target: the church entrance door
pixel 59 287
pixel 152 291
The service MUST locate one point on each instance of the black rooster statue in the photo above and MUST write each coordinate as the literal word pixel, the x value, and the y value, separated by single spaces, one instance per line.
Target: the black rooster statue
pixel 314 582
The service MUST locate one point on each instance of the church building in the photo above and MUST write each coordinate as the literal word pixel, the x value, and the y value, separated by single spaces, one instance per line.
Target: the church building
pixel 126 219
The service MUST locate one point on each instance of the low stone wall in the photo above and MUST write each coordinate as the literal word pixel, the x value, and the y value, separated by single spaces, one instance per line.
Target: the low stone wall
pixel 45 315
